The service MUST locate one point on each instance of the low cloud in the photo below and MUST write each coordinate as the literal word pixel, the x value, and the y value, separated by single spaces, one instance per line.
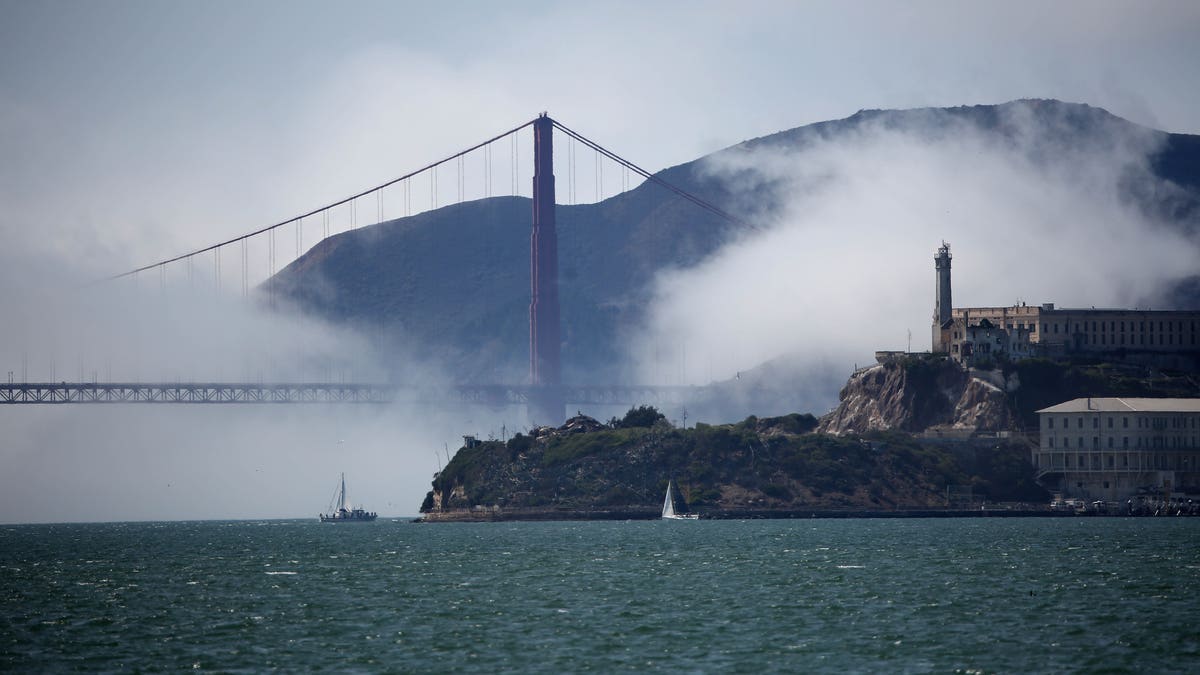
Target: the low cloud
pixel 845 265
pixel 105 462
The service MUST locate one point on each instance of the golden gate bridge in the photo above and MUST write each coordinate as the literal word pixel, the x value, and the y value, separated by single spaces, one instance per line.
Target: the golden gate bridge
pixel 544 392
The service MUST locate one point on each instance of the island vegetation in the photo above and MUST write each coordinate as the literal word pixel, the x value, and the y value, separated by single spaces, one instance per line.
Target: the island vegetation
pixel 755 466
pixel 918 432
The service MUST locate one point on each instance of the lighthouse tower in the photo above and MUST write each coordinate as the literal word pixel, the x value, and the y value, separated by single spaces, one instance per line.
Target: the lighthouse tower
pixel 943 306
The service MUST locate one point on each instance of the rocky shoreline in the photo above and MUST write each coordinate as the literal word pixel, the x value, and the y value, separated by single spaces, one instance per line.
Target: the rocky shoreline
pixel 533 515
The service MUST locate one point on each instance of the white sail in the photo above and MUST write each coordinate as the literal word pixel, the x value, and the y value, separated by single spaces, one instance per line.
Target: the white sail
pixel 669 506
pixel 343 500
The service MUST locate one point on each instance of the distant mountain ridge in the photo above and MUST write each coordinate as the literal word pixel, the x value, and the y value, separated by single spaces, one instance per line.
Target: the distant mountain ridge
pixel 453 283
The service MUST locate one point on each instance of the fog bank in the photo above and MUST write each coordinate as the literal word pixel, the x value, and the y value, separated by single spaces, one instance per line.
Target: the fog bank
pixel 844 265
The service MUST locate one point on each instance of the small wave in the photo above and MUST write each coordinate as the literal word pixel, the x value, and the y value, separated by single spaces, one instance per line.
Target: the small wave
pixel 288 573
pixel 851 567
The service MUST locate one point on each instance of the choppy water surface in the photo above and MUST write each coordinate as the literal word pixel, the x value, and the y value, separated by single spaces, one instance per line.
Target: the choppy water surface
pixel 979 595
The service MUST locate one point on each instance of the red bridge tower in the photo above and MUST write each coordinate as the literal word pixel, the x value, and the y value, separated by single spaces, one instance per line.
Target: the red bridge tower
pixel 546 405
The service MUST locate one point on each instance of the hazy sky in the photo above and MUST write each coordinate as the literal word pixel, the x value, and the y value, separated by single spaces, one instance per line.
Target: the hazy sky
pixel 133 131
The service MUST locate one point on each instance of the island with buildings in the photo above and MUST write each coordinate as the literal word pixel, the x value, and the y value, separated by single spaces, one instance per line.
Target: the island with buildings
pixel 1095 447
pixel 1018 410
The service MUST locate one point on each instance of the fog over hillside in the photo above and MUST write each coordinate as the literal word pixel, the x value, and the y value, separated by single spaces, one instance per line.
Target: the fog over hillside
pixel 134 131
pixel 1040 201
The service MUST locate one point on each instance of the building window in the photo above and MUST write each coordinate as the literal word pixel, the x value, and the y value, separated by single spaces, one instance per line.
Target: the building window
pixel 1079 423
pixel 1067 443
pixel 1052 441
pixel 1125 442
pixel 1110 422
pixel 1125 422
pixel 1110 441
pixel 1095 442
pixel 1095 422
pixel 1051 421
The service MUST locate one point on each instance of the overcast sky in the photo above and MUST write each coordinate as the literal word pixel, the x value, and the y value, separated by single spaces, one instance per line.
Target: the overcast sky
pixel 131 130
pixel 134 131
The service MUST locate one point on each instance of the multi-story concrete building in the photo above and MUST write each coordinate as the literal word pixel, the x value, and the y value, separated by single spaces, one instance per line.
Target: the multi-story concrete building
pixel 967 334
pixel 1112 448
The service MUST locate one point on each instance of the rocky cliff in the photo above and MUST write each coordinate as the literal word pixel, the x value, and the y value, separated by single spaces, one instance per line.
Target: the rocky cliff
pixel 917 393
pixel 913 394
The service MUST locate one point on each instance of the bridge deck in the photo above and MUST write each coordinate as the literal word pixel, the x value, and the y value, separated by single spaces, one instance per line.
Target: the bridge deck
pixel 310 392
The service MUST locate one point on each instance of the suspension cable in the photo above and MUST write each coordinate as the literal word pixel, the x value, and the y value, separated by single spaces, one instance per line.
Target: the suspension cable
pixel 515 163
pixel 323 208
pixel 654 179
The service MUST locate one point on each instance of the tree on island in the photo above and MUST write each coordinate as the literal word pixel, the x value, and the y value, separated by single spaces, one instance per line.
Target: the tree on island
pixel 641 416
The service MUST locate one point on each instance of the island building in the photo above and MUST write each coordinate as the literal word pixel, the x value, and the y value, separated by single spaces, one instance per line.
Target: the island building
pixel 1113 449
pixel 1169 339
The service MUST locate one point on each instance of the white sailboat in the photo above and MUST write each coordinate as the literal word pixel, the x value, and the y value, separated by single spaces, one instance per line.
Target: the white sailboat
pixel 345 513
pixel 668 512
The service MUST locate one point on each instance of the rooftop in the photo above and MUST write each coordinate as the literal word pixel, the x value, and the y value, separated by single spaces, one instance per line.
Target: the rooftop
pixel 1078 405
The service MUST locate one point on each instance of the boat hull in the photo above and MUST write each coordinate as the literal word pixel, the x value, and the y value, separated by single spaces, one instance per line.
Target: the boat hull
pixel 368 518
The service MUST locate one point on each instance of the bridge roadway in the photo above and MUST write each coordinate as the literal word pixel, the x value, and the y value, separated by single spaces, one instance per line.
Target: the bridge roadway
pixel 326 392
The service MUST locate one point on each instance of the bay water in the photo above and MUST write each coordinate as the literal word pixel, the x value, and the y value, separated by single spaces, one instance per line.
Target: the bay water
pixel 980 595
